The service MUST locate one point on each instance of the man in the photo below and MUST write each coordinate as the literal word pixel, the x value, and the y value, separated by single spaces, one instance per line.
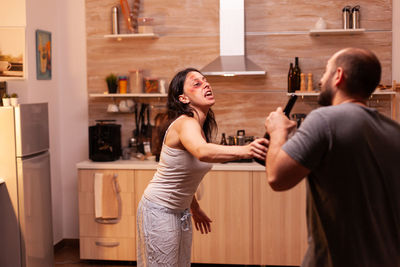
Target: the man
pixel 351 156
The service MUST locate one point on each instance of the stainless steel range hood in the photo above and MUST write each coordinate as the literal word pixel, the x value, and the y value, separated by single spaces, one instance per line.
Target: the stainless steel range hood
pixel 232 60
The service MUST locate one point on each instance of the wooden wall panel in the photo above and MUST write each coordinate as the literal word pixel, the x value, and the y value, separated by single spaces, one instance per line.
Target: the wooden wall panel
pixel 298 15
pixel 276 32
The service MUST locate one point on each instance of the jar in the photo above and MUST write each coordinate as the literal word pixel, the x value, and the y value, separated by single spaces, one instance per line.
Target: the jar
pixel 151 85
pixel 123 84
pixel 145 25
pixel 136 81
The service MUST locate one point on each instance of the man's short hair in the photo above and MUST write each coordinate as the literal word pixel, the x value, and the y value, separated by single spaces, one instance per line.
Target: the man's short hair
pixel 361 69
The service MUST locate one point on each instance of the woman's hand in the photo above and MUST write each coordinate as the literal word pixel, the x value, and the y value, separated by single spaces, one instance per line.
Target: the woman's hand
pixel 201 220
pixel 258 148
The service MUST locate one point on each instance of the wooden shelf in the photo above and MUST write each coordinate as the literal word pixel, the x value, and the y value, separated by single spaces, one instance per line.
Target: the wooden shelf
pixel 131 35
pixel 379 92
pixel 304 94
pixel 317 32
pixel 129 95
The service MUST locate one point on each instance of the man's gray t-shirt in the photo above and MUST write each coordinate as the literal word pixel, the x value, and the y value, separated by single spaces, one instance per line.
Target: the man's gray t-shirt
pixel 353 189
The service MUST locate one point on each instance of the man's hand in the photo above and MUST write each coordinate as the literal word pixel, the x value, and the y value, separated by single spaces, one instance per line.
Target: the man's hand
pixel 278 122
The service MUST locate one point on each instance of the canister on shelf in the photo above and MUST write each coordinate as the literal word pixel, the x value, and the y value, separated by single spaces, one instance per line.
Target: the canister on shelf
pixel 123 84
pixel 114 20
pixel 355 15
pixel 145 25
pixel 346 17
pixel 136 81
pixel 151 85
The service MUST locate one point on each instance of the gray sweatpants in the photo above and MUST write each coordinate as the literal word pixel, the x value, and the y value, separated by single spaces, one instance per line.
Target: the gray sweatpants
pixel 164 236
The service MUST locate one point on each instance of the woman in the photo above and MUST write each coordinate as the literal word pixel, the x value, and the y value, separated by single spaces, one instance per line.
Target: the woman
pixel 164 225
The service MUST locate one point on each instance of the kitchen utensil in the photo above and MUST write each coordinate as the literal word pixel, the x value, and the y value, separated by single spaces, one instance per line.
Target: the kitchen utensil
pixel 286 111
pixel 149 127
pixel 135 14
pixel 136 130
pixel 142 128
pixel 126 12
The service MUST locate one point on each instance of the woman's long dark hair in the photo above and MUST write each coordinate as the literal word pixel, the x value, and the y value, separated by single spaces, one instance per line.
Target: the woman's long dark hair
pixel 177 108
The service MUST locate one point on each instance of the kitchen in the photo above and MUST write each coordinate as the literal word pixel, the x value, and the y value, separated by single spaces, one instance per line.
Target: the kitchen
pixel 275 34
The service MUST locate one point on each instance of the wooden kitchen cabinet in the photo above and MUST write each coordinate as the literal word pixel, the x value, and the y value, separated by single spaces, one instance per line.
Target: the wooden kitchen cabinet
pixel 279 223
pixel 100 241
pixel 252 224
pixel 226 198
pixel 142 179
pixel 110 241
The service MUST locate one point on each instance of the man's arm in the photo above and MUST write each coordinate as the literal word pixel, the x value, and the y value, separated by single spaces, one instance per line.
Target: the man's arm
pixel 283 172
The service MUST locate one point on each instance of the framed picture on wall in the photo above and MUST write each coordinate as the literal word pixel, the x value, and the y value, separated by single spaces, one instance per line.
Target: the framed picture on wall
pixel 43 55
pixel 12 53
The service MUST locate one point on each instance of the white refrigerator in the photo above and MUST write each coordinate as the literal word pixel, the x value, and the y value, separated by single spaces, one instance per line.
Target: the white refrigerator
pixel 26 234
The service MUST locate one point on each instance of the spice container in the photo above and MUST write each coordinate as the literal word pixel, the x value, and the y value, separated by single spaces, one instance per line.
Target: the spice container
pixel 145 25
pixel 123 84
pixel 136 81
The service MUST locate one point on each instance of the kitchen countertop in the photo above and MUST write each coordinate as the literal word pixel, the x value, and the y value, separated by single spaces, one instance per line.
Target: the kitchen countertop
pixel 136 164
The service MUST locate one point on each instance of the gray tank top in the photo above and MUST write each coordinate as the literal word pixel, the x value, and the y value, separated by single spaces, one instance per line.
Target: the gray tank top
pixel 178 175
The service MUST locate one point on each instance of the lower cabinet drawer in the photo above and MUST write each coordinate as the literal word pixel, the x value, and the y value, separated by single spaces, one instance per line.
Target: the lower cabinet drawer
pixel 121 249
pixel 125 228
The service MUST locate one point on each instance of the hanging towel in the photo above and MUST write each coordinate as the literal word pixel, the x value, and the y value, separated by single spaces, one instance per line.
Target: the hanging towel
pixel 107 198
pixel 98 195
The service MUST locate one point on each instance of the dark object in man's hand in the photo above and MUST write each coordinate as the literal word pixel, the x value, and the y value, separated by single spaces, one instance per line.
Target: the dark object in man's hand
pixel 286 111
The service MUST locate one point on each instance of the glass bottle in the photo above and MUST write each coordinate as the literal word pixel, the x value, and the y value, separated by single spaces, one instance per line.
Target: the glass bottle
pixel 290 79
pixel 296 75
pixel 223 140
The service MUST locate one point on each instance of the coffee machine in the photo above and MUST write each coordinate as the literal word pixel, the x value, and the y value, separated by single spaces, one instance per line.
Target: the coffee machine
pixel 105 141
